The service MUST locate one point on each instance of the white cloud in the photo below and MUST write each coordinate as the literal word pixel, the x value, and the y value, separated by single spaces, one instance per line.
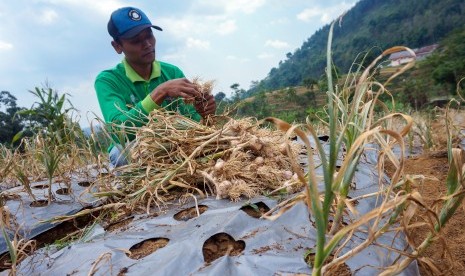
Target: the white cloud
pixel 197 43
pixel 236 59
pixel 325 14
pixel 244 6
pixel 47 16
pixel 277 44
pixel 5 46
pixel 226 27
pixel 265 56
pixel 102 6
pixel 188 25
pixel 196 25
pixel 279 21
pixel 307 14
pixel 173 57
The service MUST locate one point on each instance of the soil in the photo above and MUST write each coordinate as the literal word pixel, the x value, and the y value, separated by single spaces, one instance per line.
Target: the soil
pixel 446 255
pixel 190 213
pixel 264 249
pixel 61 231
pixel 84 183
pixel 119 225
pixel 147 247
pixel 63 191
pixel 256 210
pixel 220 245
pixel 339 270
pixel 39 203
pixel 40 187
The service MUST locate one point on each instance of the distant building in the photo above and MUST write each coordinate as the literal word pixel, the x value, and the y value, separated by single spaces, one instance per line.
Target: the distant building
pixel 402 57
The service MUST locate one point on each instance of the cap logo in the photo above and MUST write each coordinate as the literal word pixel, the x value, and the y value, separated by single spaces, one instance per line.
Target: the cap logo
pixel 134 15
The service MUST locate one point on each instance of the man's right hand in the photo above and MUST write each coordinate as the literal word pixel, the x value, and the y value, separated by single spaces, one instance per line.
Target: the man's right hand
pixel 175 88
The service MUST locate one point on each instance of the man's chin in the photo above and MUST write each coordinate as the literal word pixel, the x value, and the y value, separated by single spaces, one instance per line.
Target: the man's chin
pixel 149 56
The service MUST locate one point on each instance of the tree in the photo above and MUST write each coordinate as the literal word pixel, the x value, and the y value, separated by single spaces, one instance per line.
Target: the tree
pixel 323 81
pixel 237 92
pixel 49 114
pixel 309 82
pixel 448 63
pixel 219 97
pixel 10 124
pixel 291 94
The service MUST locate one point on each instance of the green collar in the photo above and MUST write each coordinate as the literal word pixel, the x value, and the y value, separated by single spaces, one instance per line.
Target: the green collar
pixel 133 76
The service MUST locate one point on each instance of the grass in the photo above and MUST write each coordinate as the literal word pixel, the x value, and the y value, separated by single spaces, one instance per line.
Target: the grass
pixel 50 156
pixel 18 249
pixel 352 123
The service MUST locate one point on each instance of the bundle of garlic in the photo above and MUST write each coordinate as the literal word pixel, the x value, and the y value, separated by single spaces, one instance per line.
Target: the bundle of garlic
pixel 173 153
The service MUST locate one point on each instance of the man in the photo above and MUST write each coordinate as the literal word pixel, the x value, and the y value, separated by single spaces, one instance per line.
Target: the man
pixel 140 83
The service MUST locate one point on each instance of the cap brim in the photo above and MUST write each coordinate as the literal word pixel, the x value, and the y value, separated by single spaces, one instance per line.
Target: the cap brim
pixel 136 30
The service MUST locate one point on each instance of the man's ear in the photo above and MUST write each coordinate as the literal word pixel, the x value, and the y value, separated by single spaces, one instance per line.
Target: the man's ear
pixel 117 47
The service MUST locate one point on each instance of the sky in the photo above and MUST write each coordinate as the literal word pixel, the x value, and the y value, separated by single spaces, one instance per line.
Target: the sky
pixel 64 44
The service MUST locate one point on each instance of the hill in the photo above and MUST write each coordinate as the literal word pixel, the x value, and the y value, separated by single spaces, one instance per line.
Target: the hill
pixel 370 26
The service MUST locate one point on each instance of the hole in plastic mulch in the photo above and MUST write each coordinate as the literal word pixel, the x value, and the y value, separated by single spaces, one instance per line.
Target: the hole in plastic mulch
pixel 119 225
pixel 69 229
pixel 255 210
pixel 190 213
pixel 84 183
pixel 354 202
pixel 146 247
pixel 220 245
pixel 330 223
pixel 40 187
pixel 39 203
pixel 102 174
pixel 63 191
pixel 340 270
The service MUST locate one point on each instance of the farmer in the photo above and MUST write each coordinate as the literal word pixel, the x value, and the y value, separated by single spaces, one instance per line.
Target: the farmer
pixel 139 84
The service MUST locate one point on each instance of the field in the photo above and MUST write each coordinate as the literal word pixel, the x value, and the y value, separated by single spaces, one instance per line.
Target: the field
pixel 214 222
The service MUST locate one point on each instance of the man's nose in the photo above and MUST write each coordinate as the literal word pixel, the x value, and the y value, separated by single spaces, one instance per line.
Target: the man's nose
pixel 147 43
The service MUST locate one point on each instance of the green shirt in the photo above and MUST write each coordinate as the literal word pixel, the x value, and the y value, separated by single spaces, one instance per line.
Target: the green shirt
pixel 124 96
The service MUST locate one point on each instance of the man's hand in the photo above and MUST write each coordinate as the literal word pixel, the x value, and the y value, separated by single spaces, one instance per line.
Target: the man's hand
pixel 175 88
pixel 205 105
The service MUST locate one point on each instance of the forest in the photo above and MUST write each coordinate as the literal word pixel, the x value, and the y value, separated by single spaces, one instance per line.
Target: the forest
pixel 370 27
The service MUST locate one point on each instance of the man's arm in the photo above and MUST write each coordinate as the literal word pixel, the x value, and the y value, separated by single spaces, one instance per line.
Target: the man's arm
pixel 113 105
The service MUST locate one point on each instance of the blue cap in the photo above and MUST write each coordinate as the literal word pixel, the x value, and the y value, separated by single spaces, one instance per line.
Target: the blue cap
pixel 128 22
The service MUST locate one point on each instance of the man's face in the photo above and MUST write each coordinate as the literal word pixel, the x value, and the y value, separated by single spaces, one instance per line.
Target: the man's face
pixel 140 49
